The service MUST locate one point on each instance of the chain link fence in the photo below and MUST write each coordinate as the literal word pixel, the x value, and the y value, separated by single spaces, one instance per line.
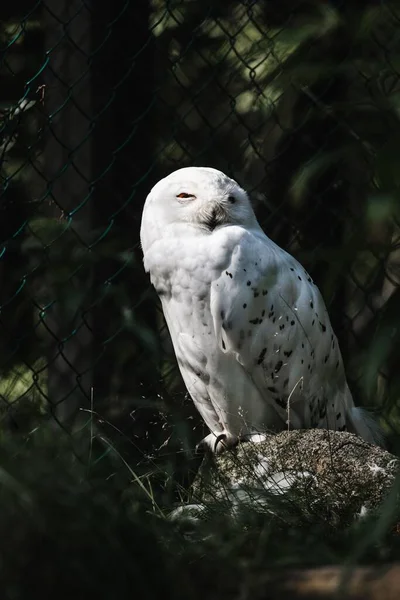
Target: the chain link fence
pixel 298 101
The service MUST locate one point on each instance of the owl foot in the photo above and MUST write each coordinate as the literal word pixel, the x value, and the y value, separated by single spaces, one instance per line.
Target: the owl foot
pixel 255 438
pixel 217 442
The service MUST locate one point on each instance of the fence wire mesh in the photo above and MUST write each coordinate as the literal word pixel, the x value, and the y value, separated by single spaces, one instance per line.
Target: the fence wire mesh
pixel 298 101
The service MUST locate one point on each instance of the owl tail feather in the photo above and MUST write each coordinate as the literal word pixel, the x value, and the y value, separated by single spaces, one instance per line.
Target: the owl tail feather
pixel 363 424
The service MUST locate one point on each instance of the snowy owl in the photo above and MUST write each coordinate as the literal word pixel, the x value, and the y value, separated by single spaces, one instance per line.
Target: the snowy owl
pixel 250 329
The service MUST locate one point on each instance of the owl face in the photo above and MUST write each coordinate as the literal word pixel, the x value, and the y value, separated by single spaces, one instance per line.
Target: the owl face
pixel 201 197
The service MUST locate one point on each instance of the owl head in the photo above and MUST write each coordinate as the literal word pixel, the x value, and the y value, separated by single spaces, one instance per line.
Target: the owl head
pixel 202 198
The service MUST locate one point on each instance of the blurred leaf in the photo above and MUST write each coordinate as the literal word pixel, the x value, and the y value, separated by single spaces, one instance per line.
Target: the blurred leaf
pixel 317 166
pixel 385 340
pixel 387 167
pixel 381 207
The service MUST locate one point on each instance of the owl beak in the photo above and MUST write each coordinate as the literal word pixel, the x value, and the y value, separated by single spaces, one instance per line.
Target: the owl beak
pixel 214 214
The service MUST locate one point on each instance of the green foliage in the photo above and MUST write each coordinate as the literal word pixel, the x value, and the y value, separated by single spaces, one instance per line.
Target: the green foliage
pixel 69 528
pixel 76 519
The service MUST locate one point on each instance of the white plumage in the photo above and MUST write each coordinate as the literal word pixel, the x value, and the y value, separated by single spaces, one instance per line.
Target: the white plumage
pixel 249 327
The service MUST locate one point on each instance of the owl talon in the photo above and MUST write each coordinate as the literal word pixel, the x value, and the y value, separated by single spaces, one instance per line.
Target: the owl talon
pixel 217 443
pixel 220 438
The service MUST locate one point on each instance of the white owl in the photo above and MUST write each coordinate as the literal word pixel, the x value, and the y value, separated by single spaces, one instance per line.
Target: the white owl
pixel 250 329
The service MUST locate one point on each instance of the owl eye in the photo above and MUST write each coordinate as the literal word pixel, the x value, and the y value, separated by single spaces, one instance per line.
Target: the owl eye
pixel 232 199
pixel 185 195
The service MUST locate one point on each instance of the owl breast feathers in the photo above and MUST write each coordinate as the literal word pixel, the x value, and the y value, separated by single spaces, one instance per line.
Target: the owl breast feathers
pixel 250 329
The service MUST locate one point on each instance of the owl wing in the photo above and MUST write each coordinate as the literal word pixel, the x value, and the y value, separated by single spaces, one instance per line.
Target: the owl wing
pixel 268 312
